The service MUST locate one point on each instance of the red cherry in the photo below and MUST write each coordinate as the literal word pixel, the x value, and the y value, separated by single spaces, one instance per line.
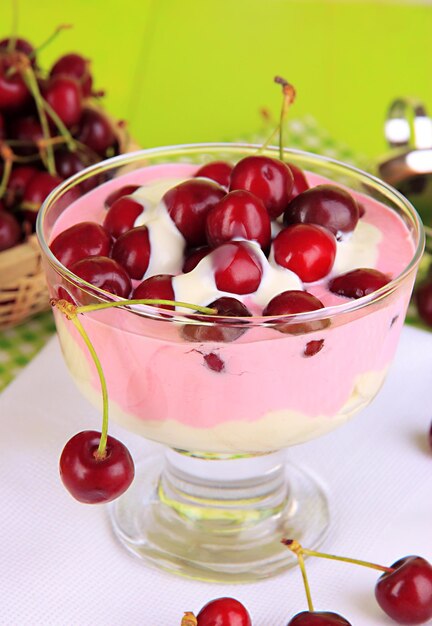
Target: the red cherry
pixel 93 480
pixel 306 249
pixel 80 241
pixel 63 94
pixel 26 129
pixel 104 273
pixel 224 612
pixel 20 45
pixel 237 268
pixel 127 190
pixel 406 593
pixel 358 283
pixel 194 257
pixel 14 93
pixel 326 205
pixel 291 302
pixel 121 215
pixel 132 251
pixel 423 299
pixel 219 171
pixel 10 230
pixel 95 131
pixel 77 67
pixel 239 214
pixel 17 184
pixel 269 179
pixel 38 188
pixel 188 205
pixel 300 182
pixel 318 618
pixel 158 287
pixel 226 307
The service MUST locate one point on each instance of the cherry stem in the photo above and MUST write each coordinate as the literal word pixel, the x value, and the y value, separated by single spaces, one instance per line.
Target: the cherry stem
pixel 64 132
pixel 268 140
pixel 289 95
pixel 8 157
pixel 189 619
pixel 33 86
pixel 100 452
pixel 302 566
pixel 14 29
pixel 295 547
pixel 88 308
pixel 50 39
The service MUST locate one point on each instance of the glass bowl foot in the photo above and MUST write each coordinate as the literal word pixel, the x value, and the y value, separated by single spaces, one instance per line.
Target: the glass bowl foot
pixel 189 516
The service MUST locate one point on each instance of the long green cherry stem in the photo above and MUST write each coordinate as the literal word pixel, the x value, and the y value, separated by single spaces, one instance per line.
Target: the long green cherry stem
pixel 88 308
pixel 71 312
pixel 289 94
pixel 295 547
pixel 32 84
pixel 302 566
pixel 100 452
pixel 50 39
pixel 69 140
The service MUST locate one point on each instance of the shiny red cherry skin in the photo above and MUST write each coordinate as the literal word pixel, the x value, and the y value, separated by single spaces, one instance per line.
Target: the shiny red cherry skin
pixel 132 251
pixel 318 618
pixel 104 273
pixel 224 612
pixel 82 240
pixel 240 215
pixel 38 188
pixel 300 182
pixel 326 205
pixel 188 205
pixel 158 287
pixel 17 183
pixel 194 257
pixel 307 250
pixel 219 171
pixel 75 66
pixel 358 283
pixel 226 307
pixel 269 179
pixel 95 131
pixel 14 93
pixel 423 300
pixel 126 190
pixel 405 594
pixel 63 94
pixel 10 230
pixel 292 302
pixel 121 215
pixel 237 268
pixel 91 480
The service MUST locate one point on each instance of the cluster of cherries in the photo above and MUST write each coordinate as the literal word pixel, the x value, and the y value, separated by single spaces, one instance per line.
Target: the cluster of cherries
pixel 50 129
pixel 219 212
pixel 403 591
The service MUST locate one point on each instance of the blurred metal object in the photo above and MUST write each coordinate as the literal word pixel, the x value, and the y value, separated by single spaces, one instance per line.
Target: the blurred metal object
pixel 408 130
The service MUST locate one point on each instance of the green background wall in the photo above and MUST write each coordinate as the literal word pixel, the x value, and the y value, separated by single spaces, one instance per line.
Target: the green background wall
pixel 195 70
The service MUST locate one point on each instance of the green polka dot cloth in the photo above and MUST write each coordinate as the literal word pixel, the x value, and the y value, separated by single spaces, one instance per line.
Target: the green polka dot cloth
pixel 19 345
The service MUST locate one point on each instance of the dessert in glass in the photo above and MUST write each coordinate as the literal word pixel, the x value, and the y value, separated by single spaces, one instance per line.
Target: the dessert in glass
pixel 228 393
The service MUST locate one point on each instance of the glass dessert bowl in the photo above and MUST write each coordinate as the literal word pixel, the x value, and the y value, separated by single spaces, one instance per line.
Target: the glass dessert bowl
pixel 228 395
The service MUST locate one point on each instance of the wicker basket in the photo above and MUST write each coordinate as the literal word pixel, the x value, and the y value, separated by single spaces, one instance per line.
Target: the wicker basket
pixel 23 289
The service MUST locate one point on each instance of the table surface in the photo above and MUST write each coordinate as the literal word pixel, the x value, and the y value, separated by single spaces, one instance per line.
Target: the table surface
pixel 61 566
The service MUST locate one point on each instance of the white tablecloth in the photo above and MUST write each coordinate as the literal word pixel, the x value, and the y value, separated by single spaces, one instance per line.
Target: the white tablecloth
pixel 60 565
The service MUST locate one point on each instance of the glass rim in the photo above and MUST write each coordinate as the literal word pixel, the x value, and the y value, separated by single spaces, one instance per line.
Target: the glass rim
pixel 154 312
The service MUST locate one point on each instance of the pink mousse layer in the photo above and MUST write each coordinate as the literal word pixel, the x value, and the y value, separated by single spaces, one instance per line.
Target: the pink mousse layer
pixel 155 375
